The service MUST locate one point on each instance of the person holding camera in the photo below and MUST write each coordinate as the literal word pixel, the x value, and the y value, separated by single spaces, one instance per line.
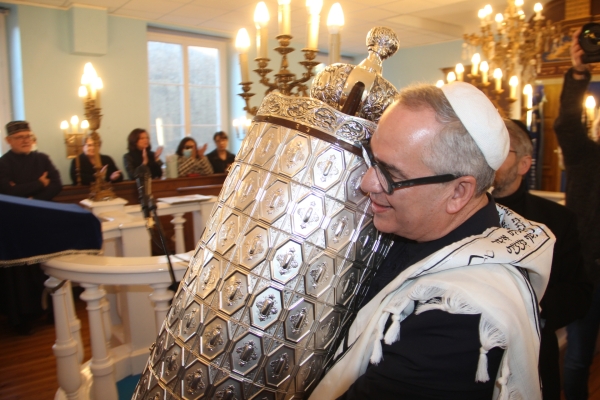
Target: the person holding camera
pixel 582 163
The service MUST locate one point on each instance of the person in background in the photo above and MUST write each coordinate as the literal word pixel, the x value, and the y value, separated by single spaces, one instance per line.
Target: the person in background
pixel 27 173
pixel 220 158
pixel 191 160
pixel 31 174
pixel 581 157
pixel 569 293
pixel 138 144
pixel 86 165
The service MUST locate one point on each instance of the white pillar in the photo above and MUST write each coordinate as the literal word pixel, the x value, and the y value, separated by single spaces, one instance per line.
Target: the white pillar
pixel 65 347
pixel 101 364
pixel 74 322
pixel 106 321
pixel 178 222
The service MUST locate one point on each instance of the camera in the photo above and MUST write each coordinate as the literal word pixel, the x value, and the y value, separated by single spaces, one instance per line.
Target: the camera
pixel 589 40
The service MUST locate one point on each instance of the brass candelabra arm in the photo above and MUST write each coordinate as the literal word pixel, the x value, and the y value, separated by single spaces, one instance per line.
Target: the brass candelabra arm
pixel 263 71
pixel 309 64
pixel 246 96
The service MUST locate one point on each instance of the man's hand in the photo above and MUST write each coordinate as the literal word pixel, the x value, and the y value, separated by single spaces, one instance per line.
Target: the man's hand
pixel 115 175
pixel 44 179
pixel 158 152
pixel 201 150
pixel 576 54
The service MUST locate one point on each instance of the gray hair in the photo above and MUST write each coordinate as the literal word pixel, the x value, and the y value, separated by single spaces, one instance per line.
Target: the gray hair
pixel 519 139
pixel 453 150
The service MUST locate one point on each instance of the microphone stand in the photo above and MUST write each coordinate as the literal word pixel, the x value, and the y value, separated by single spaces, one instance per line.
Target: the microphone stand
pixel 151 215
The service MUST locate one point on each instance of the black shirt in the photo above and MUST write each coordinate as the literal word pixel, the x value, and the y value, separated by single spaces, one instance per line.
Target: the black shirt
pixel 437 354
pixel 20 173
pixel 220 166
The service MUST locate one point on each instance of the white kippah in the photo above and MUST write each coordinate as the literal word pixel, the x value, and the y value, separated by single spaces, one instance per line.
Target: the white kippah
pixel 482 120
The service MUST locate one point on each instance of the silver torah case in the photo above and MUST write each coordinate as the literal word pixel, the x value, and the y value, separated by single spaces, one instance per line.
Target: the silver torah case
pixel 281 265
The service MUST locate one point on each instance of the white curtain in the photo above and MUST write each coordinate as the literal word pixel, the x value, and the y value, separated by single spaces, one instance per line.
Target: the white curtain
pixel 5 103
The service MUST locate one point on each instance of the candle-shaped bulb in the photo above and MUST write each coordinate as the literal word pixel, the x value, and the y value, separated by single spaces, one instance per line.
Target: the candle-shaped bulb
pixel 513 82
pixel 481 13
pixel 537 7
pixel 528 96
pixel 459 69
pixel 242 41
pixel 488 10
pixel 247 121
pixel 85 125
pixel 284 17
pixel 335 19
pixel 83 91
pixel 590 102
pixel 64 125
pixel 499 18
pixel 75 120
pixel 475 60
pixel 451 77
pixel 261 15
pixel 484 68
pixel 439 83
pixel 314 6
pixel 519 3
pixel 498 77
pixel 236 123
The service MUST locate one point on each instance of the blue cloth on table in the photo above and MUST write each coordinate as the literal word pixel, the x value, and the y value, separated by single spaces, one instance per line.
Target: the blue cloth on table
pixel 35 230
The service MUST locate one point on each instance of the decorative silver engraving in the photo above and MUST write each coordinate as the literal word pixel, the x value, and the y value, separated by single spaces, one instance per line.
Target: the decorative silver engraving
pixel 267 307
pixel 234 293
pixel 287 261
pixel 214 338
pixel 247 353
pixel 299 320
pixel 275 201
pixel 308 215
pixel 328 168
pixel 227 393
pixel 319 274
pixel 280 365
pixel 255 247
pixel 195 382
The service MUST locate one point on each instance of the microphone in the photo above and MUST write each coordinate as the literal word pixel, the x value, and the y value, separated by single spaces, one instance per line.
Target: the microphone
pixel 143 183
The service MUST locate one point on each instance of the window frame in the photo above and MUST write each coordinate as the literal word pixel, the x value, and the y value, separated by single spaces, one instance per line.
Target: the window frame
pixel 187 39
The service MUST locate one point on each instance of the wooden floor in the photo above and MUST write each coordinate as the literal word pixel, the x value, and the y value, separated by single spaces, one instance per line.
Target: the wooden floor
pixel 28 367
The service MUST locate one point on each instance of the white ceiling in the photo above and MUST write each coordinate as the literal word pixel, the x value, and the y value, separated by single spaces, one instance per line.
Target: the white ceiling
pixel 416 22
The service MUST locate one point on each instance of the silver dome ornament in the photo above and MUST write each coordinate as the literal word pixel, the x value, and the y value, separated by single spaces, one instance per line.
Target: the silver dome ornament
pixel 284 259
pixel 334 83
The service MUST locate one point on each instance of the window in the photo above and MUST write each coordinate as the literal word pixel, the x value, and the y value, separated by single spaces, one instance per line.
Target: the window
pixel 187 85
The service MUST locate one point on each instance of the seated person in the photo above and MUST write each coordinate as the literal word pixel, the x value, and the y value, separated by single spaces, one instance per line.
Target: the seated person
pixel 220 158
pixel 191 160
pixel 86 165
pixel 138 144
pixel 23 172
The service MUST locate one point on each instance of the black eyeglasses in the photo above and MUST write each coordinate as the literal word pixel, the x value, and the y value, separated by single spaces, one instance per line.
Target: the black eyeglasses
pixel 385 179
pixel 188 147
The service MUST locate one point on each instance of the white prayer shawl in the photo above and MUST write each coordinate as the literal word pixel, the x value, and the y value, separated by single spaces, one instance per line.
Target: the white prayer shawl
pixel 476 275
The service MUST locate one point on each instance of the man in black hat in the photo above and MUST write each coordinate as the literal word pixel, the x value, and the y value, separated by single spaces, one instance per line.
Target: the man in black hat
pixel 25 173
pixel 568 294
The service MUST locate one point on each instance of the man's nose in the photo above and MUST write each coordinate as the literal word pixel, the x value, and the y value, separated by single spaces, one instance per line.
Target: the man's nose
pixel 370 182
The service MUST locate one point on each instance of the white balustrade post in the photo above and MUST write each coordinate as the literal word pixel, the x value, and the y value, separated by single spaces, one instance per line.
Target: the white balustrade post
pixel 178 222
pixel 74 322
pixel 65 347
pixel 201 217
pixel 101 365
pixel 161 296
pixel 106 319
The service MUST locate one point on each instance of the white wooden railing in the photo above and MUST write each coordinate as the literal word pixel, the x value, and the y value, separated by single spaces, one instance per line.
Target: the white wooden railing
pixel 127 297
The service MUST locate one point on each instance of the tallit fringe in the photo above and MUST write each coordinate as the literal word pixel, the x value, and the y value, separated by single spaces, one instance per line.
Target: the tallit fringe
pixel 502 381
pixel 398 315
pixel 490 337
pixel 450 302
pixel 377 354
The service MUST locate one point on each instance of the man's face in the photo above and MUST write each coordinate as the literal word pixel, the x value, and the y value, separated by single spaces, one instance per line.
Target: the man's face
pixel 398 145
pixel 221 143
pixel 20 142
pixel 510 174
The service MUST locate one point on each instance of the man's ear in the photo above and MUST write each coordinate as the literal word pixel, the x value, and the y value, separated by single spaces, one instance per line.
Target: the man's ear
pixel 524 165
pixel 464 189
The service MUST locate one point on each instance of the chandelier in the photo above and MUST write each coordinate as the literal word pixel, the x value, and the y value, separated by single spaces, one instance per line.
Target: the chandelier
pixel 285 81
pixel 510 49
